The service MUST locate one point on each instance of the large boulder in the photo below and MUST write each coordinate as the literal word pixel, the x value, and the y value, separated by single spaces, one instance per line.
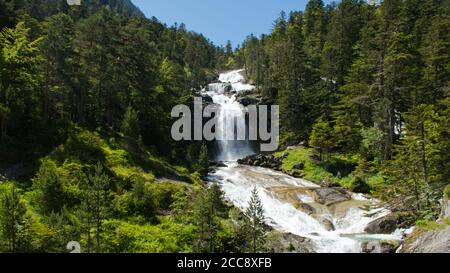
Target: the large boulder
pixel 306 208
pixel 383 225
pixel 380 247
pixel 261 160
pixel 330 196
pixel 428 241
pixel 288 243
pixel 249 100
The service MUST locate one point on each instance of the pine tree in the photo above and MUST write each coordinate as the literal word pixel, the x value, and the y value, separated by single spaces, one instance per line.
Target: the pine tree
pixel 59 90
pixel 338 52
pixel 19 79
pixel 203 160
pixel 50 188
pixel 322 138
pixel 254 222
pixel 314 31
pixel 12 219
pixel 208 207
pixel 130 124
pixel 416 167
pixel 95 206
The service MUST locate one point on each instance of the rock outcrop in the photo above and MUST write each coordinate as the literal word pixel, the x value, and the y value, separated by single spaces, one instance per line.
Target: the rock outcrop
pixel 330 196
pixel 261 160
pixel 380 247
pixel 288 243
pixel 383 225
pixel 431 241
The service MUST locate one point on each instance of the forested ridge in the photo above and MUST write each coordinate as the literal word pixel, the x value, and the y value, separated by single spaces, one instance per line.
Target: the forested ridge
pixel 366 85
pixel 86 94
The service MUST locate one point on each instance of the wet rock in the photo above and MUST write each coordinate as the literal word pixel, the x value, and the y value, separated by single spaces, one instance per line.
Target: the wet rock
pixel 219 87
pixel 212 77
pixel 380 247
pixel 250 100
pixel 327 224
pixel 288 243
pixel 217 164
pixel 306 208
pixel 260 160
pixel 383 225
pixel 431 241
pixel 330 196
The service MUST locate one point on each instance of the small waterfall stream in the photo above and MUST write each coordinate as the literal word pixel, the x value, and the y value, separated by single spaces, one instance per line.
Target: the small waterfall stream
pixel 281 194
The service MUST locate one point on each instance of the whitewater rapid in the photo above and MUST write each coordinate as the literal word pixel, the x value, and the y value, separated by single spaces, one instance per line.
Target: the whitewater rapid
pixel 238 181
pixel 348 219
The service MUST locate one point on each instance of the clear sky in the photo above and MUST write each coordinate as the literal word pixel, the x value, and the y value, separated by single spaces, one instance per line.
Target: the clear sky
pixel 221 20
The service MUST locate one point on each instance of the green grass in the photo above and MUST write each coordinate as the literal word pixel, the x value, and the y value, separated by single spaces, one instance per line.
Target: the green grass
pixel 338 169
pixel 431 225
pixel 123 157
pixel 166 237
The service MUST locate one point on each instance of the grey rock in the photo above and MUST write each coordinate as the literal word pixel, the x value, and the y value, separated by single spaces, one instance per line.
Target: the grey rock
pixel 288 243
pixel 435 241
pixel 383 225
pixel 330 196
pixel 380 247
pixel 299 166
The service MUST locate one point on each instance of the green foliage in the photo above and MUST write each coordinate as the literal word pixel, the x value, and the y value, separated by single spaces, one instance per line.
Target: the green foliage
pixel 50 188
pixel 254 222
pixel 14 223
pixel 208 208
pixel 366 85
pixel 167 237
pixel 95 207
pixel 416 168
pixel 203 160
pixel 130 123
pixel 322 138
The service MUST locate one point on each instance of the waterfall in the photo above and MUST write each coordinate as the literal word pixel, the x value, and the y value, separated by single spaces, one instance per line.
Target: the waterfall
pixel 348 220
pixel 231 111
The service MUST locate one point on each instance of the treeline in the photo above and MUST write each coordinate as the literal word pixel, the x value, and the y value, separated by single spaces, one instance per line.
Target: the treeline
pixel 366 80
pixel 86 94
pixel 93 65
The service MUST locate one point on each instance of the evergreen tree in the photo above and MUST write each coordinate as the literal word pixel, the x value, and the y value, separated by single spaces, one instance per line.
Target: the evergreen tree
pixel 338 51
pixel 322 138
pixel 12 219
pixel 50 188
pixel 130 123
pixel 208 207
pixel 254 222
pixel 203 160
pixel 95 207
pixel 416 167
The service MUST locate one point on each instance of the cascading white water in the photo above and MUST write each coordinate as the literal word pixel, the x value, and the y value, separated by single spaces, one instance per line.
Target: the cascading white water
pixel 224 94
pixel 238 181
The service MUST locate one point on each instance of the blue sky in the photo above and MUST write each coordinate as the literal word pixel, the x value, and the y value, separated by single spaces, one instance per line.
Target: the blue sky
pixel 221 20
